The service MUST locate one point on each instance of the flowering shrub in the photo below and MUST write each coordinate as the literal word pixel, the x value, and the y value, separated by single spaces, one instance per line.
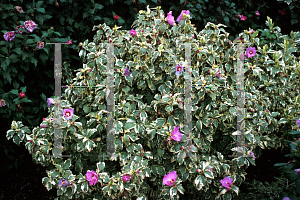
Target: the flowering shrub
pixel 149 109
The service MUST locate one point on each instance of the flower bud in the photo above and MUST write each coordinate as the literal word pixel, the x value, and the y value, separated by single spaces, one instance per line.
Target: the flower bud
pixel 31 141
pixel 181 147
pixel 197 170
pixel 142 154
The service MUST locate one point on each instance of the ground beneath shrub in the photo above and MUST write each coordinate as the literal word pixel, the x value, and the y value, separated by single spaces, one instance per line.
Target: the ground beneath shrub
pixel 26 181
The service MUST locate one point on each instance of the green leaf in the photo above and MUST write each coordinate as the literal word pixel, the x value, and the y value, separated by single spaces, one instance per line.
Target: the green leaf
pixel 101 165
pixel 209 174
pixel 160 152
pixel 17 50
pixel 160 122
pixel 78 166
pixel 42 10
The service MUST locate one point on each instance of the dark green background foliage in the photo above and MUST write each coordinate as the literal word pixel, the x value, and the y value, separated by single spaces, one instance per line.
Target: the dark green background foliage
pixel 24 68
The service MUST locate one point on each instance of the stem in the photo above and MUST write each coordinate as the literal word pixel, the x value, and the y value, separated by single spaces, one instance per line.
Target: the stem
pixel 25 42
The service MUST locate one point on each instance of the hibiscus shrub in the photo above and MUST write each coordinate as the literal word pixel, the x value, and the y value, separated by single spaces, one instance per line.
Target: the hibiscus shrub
pixel 149 112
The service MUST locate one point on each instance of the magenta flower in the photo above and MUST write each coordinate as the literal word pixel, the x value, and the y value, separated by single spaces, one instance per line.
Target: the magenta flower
pixel 251 31
pixel 176 135
pixel 170 18
pixel 170 179
pixel 126 178
pixel 226 182
pixel 43 126
pixel 18 27
pixel 250 52
pixel 68 113
pixel 126 72
pixel 181 16
pixel 30 25
pixel 92 177
pixel 257 13
pixel 297 171
pixel 49 101
pixel 2 103
pixel 286 198
pixel 10 35
pixel 132 32
pixel 242 17
pixel 40 44
pixel 178 70
pixel 69 42
pixel 298 122
pixel 63 183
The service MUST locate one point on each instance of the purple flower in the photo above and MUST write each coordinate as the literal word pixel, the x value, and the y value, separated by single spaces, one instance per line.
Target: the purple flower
pixel 49 101
pixel 251 31
pixel 250 52
pixel 10 35
pixel 226 182
pixel 43 126
pixel 297 171
pixel 252 154
pixel 178 70
pixel 126 72
pixel 92 177
pixel 257 13
pixel 170 179
pixel 40 44
pixel 218 74
pixel 298 122
pixel 63 183
pixel 30 25
pixel 286 198
pixel 170 18
pixel 186 12
pixel 126 178
pixel 68 113
pixel 176 135
pixel 132 32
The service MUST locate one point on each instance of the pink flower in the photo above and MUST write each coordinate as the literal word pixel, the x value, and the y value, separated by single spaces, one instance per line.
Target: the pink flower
pixel 30 25
pixel 2 103
pixel 298 122
pixel 17 28
pixel 242 17
pixel 19 9
pixel 250 52
pixel 10 35
pixel 126 178
pixel 170 18
pixel 116 17
pixel 178 70
pixel 92 177
pixel 297 171
pixel 132 32
pixel 181 16
pixel 176 135
pixel 69 42
pixel 257 13
pixel 40 44
pixel 137 171
pixel 286 198
pixel 43 126
pixel 51 119
pixel 68 113
pixel 170 179
pixel 226 182
pixel 251 31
